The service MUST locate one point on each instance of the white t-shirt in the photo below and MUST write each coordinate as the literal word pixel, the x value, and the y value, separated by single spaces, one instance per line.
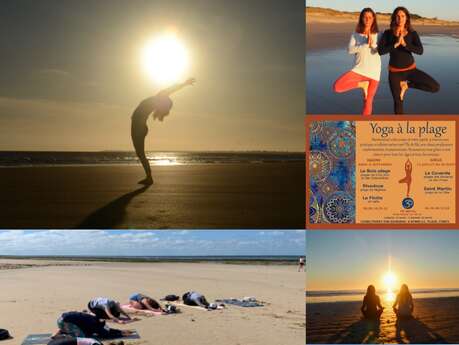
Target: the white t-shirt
pixel 367 61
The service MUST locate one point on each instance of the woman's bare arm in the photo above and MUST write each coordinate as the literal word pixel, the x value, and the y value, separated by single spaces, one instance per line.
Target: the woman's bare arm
pixel 174 88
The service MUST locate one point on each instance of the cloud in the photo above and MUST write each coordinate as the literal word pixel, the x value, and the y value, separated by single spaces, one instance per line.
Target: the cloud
pixel 146 243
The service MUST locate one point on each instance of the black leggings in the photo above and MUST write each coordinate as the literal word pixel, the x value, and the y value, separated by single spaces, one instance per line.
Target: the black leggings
pixel 416 79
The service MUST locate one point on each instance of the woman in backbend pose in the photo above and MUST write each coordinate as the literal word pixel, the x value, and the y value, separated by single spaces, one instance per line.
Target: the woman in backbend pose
pixel 371 306
pixel 401 41
pixel 367 65
pixel 404 302
pixel 160 105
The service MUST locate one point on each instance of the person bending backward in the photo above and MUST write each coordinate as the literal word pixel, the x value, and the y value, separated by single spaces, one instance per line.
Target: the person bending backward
pixel 85 325
pixel 371 306
pixel 160 105
pixel 367 65
pixel 401 41
pixel 142 302
pixel 404 302
pixel 105 308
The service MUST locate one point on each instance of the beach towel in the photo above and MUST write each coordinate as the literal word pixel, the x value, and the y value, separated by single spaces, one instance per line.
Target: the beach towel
pixel 240 302
pixel 43 339
pixel 127 308
pixel 179 304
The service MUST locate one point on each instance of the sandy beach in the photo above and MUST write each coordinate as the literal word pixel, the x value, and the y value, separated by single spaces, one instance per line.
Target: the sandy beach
pixel 268 195
pixel 436 321
pixel 33 298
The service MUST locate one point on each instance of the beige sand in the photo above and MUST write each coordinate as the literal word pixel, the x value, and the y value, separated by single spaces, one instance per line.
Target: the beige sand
pixel 436 321
pixel 330 29
pixel 269 195
pixel 31 300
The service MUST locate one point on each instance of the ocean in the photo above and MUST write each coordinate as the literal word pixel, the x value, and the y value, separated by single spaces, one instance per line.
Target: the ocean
pixel 48 158
pixel 260 259
pixel 357 295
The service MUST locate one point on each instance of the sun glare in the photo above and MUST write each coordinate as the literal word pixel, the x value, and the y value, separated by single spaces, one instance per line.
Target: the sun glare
pixel 165 59
pixel 389 280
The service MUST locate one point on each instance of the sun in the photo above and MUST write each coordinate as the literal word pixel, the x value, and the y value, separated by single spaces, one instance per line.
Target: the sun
pixel 165 59
pixel 389 280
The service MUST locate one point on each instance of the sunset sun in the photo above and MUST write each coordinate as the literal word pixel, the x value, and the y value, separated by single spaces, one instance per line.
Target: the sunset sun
pixel 165 59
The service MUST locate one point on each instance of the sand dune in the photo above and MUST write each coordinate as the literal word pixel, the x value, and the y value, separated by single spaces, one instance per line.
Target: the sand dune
pixel 32 299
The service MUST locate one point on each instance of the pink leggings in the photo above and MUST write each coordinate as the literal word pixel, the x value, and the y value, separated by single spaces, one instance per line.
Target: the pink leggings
pixel 349 81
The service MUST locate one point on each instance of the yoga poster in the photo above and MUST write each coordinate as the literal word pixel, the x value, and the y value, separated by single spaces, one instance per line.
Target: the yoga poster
pixel 405 172
pixel 381 172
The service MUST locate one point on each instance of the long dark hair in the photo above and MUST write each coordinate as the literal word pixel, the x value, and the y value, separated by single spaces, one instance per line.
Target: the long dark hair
pixel 404 294
pixel 393 19
pixel 360 26
pixel 371 291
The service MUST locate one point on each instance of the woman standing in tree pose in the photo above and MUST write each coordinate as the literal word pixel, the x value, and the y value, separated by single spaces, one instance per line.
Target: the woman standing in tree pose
pixel 401 41
pixel 367 66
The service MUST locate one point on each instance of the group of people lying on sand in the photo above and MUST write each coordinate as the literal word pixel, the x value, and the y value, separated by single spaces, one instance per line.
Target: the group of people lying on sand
pixel 400 41
pixel 87 328
pixel 403 306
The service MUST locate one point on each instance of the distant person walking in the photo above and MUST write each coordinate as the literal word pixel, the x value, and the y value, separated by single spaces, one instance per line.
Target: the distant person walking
pixel 160 105
pixel 367 63
pixel 301 264
pixel 401 41
pixel 371 306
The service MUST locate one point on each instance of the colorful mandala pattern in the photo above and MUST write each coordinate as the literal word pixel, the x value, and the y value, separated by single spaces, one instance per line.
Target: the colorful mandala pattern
pixel 339 208
pixel 320 165
pixel 332 172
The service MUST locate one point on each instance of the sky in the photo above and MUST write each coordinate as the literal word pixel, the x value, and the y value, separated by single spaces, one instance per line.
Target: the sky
pixel 342 260
pixel 72 74
pixel 152 242
pixel 445 9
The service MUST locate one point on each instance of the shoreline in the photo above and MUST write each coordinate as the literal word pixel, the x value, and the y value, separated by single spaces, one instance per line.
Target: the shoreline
pixel 32 300
pixel 213 196
pixel 83 259
pixel 435 321
pixel 326 36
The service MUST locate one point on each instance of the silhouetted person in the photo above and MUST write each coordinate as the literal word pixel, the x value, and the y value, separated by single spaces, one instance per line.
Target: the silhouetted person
pixel 404 302
pixel 407 178
pixel 160 105
pixel 371 306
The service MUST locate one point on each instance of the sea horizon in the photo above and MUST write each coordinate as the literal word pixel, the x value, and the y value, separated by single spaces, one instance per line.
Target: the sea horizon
pixel 166 158
pixel 327 296
pixel 261 259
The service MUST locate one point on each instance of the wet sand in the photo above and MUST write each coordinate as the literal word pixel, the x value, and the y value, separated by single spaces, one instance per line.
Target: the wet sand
pixel 436 320
pixel 33 298
pixel 268 195
pixel 321 35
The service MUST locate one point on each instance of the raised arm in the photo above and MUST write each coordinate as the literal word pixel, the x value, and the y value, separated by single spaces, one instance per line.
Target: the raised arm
pixel 174 88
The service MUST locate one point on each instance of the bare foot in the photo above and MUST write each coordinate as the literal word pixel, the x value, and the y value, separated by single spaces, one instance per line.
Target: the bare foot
pixel 146 181
pixel 403 87
pixel 364 86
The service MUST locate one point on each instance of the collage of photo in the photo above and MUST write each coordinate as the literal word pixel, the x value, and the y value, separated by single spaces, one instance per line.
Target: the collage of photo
pixel 381 157
pixel 245 172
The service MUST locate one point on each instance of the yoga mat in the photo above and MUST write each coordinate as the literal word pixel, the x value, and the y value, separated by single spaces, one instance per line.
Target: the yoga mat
pixel 43 339
pixel 194 306
pixel 128 309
